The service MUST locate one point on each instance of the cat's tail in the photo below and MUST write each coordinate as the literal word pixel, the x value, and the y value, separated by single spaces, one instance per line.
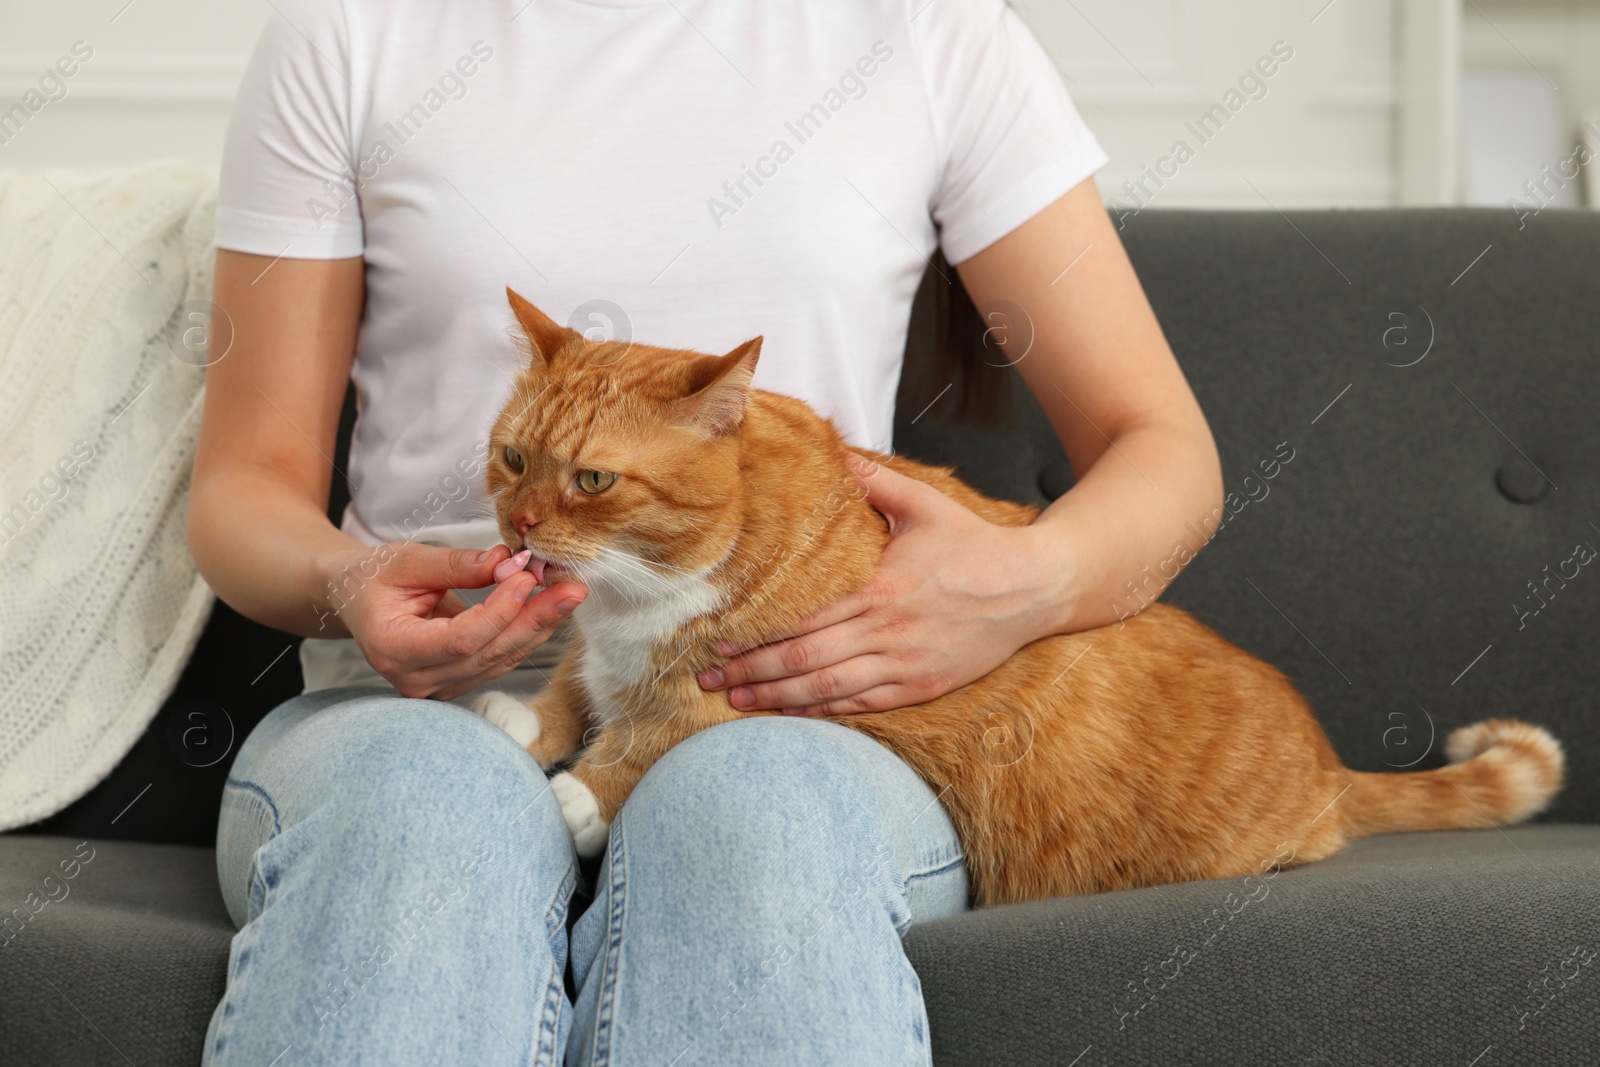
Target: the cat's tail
pixel 1501 771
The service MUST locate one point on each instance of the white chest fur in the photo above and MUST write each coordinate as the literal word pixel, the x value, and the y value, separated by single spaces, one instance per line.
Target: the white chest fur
pixel 629 614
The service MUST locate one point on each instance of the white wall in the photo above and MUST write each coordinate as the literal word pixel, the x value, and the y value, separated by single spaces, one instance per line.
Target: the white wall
pixel 1327 130
pixel 160 82
pixel 1558 38
pixel 1322 134
pixel 1556 42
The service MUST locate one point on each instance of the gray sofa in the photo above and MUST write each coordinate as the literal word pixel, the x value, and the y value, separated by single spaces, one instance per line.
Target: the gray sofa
pixel 1446 448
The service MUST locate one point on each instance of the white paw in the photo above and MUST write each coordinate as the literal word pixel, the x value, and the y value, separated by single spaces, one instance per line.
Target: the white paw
pixel 582 813
pixel 510 714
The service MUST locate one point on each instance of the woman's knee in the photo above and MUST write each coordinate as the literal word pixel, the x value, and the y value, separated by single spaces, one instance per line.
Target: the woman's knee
pixel 761 768
pixel 395 788
pixel 433 768
pixel 267 734
pixel 766 813
pixel 427 751
pixel 766 793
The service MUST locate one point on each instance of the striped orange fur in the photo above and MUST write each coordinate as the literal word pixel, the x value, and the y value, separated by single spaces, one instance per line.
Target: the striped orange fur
pixel 1163 754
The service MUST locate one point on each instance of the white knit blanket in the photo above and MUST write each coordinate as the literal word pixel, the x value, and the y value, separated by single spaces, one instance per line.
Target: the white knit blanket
pixel 100 393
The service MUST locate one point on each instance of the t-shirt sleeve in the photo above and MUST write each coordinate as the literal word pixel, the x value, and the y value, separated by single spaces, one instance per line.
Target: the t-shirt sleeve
pixel 1009 140
pixel 287 184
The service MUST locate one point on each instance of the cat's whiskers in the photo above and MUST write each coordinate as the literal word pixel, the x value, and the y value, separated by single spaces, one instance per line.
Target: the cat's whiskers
pixel 630 574
pixel 653 565
pixel 654 569
pixel 634 580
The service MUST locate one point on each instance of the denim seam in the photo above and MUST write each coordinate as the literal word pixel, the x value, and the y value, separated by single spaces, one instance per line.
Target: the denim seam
pixel 255 903
pixel 900 928
pixel 606 1009
pixel 241 948
pixel 257 799
pixel 952 865
pixel 556 916
pixel 550 1020
pixel 555 989
pixel 250 787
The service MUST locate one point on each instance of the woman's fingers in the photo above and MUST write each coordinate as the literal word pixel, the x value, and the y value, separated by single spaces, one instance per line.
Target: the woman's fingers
pixel 412 642
pixel 838 682
pixel 841 610
pixel 449 606
pixel 527 630
pixel 795 656
pixel 416 566
pixel 878 698
pixel 505 647
pixel 418 633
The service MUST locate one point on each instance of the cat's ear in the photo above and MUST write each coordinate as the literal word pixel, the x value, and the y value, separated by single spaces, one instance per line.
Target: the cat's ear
pixel 718 390
pixel 545 337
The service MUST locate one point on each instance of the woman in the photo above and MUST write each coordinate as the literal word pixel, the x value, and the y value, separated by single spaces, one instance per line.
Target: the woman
pixel 690 175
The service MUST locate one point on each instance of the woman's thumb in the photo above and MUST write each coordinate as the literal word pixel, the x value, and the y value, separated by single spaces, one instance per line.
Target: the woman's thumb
pixel 453 568
pixel 889 491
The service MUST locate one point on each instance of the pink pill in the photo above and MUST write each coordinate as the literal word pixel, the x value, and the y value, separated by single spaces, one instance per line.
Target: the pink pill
pixel 511 566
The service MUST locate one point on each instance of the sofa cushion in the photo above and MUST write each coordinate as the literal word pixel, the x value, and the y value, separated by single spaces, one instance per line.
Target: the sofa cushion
pixel 1407 949
pixel 124 966
pixel 1416 948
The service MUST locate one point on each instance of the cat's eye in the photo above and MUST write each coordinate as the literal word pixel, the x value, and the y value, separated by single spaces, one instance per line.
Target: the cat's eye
pixel 593 482
pixel 513 459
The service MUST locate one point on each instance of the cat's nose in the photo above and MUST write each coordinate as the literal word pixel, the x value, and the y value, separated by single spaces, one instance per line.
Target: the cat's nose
pixel 525 522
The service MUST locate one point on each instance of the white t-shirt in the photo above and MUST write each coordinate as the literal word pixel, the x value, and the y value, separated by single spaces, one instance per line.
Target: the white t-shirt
pixel 687 175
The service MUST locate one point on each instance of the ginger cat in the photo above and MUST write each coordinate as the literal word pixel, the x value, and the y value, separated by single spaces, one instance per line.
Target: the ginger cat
pixel 695 508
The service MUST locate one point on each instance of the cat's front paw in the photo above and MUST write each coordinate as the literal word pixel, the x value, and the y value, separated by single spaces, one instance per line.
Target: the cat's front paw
pixel 582 812
pixel 510 714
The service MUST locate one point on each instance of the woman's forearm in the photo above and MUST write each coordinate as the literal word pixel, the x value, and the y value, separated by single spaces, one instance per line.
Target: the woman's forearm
pixel 1094 356
pixel 258 527
pixel 268 552
pixel 1110 545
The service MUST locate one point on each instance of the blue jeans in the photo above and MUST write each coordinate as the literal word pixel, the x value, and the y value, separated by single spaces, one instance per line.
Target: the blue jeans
pixel 401 877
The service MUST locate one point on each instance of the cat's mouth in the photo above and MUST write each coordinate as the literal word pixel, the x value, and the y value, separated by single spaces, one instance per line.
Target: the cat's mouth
pixel 524 561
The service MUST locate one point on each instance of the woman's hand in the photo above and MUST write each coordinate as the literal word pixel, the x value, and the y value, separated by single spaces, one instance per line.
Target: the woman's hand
pixel 953 598
pixel 417 633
